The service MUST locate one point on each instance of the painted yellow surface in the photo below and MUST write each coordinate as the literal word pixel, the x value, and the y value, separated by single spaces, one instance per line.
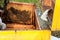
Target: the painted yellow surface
pixel 33 35
pixel 56 16
pixel 25 35
pixel 7 35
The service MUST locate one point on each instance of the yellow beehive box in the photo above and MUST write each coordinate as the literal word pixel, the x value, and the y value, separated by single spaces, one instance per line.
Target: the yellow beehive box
pixel 33 35
pixel 56 16
pixel 7 35
pixel 25 35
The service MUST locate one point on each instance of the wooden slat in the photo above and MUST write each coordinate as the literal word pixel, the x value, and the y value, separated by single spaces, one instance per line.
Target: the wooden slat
pixel 14 26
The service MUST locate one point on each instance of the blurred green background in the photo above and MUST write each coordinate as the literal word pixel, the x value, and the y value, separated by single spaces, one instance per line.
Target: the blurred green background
pixel 36 2
pixel 1 3
pixel 28 1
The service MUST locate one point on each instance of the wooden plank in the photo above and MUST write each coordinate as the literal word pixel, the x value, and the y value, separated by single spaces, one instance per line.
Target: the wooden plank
pixel 47 3
pixel 15 26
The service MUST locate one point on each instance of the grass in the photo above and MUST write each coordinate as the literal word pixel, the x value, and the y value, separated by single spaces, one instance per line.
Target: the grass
pixel 27 1
pixel 1 3
pixel 36 2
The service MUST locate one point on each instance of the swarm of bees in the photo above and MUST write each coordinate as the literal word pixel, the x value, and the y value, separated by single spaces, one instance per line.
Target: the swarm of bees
pixel 18 16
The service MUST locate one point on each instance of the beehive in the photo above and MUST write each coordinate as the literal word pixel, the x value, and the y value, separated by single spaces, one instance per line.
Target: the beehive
pixel 31 24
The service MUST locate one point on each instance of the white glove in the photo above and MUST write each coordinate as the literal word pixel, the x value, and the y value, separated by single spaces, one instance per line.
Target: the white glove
pixel 2 25
pixel 44 15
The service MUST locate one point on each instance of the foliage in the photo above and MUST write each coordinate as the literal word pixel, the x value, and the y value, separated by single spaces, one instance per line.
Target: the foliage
pixel 1 3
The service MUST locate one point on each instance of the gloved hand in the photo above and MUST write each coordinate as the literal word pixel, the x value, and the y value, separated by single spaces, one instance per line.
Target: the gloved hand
pixel 2 25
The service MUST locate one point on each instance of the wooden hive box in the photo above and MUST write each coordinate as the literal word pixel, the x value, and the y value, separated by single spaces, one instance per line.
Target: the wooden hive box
pixel 31 24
